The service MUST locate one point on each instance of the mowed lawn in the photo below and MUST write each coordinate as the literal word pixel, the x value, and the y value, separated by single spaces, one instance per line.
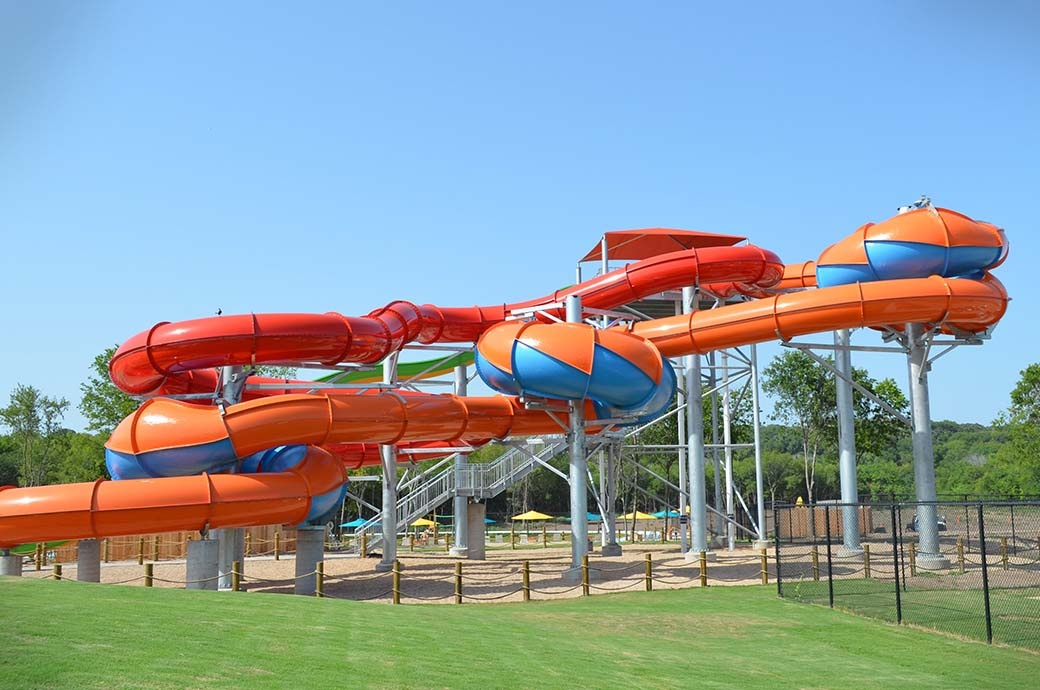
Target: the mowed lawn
pixel 77 635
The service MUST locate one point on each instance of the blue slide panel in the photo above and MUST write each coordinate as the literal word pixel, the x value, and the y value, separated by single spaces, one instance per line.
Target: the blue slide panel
pixel 547 377
pixel 495 377
pixel 618 382
pixel 217 456
pixel 844 274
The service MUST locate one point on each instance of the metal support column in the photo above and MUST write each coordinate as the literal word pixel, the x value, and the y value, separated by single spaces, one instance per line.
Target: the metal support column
pixel 578 465
pixel 727 441
pixel 608 496
pixel 928 555
pixel 756 421
pixel 231 540
pixel 388 519
pixel 461 503
pixel 846 445
pixel 680 424
pixel 695 444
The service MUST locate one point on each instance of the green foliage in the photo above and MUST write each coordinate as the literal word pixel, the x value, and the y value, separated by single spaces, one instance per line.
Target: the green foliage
pixel 104 405
pixel 1025 397
pixel 35 423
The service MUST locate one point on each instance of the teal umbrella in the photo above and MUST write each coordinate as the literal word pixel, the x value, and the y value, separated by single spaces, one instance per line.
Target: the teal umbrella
pixel 666 513
pixel 357 522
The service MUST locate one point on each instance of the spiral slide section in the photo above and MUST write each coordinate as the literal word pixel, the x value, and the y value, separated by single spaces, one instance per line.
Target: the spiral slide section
pixel 871 279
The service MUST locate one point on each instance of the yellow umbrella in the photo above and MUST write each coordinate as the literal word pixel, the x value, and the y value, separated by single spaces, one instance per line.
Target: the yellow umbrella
pixel 531 515
pixel 423 522
pixel 638 515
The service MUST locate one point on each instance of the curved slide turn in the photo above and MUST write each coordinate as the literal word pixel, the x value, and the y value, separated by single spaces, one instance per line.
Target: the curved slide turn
pixel 276 457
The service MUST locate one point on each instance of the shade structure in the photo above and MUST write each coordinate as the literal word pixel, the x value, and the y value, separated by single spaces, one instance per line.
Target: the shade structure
pixel 356 522
pixel 423 522
pixel 648 242
pixel 667 513
pixel 589 517
pixel 531 515
pixel 638 515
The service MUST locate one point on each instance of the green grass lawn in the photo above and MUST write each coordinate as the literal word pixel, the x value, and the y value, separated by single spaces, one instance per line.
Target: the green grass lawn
pixel 77 635
pixel 1015 613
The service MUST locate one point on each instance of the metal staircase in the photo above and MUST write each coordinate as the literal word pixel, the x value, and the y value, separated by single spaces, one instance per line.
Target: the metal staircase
pixel 425 492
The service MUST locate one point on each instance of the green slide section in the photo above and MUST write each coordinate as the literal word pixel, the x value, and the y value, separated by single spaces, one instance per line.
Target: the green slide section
pixel 426 369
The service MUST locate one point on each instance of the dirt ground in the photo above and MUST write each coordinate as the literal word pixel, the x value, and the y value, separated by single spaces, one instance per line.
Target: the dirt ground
pixel 429 576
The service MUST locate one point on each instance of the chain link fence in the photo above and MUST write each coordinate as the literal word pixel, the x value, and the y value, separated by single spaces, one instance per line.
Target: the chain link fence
pixel 975 573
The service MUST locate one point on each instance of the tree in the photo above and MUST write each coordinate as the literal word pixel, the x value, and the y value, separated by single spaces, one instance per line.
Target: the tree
pixel 1025 397
pixel 805 397
pixel 102 403
pixel 35 423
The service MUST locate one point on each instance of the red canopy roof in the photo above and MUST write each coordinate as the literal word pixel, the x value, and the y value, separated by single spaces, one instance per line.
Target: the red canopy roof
pixel 647 242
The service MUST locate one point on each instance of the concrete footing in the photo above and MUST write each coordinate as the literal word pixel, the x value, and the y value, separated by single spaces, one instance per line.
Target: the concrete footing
pixel 476 548
pixel 932 561
pixel 695 556
pixel 10 564
pixel 88 560
pixel 203 556
pixel 610 549
pixel 310 549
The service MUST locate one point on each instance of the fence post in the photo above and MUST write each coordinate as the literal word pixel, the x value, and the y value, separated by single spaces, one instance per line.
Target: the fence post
pixel 57 571
pixel 830 564
pixel 277 545
pixel 545 539
pixel 585 575
pixel 895 565
pixel 364 544
pixel 512 535
pixel 1014 539
pixel 866 561
pixel 396 582
pixel 1004 552
pixel 960 553
pixel 104 549
pixel 704 569
pixel 458 582
pixel 525 570
pixel 649 574
pixel 985 576
pixel 236 576
pixel 140 551
pixel 776 551
pixel 39 556
pixel 249 543
pixel 815 563
pixel 155 551
pixel 765 567
pixel 149 574
pixel 913 559
pixel 319 579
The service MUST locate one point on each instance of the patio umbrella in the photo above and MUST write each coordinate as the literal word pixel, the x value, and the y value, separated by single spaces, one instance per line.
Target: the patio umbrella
pixel 589 517
pixel 531 515
pixel 638 515
pixel 423 522
pixel 666 513
pixel 356 522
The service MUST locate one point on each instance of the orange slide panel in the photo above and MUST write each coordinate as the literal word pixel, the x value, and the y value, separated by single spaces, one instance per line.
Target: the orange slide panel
pixel 108 508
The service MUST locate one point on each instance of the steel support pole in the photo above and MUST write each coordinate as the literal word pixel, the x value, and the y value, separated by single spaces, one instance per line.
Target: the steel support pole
pixel 727 441
pixel 389 509
pixel 460 503
pixel 232 380
pixel 846 445
pixel 680 423
pixel 924 460
pixel 713 381
pixel 695 444
pixel 608 523
pixel 578 463
pixel 756 421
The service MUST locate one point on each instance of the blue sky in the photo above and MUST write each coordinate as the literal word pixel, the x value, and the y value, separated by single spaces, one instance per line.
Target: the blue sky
pixel 158 161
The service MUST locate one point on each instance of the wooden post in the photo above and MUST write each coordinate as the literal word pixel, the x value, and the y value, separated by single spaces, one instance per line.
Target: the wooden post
pixel 585 575
pixel 249 543
pixel 512 535
pixel 396 582
pixel 140 551
pixel 277 544
pixel 236 576
pixel 364 544
pixel 525 569
pixel 319 579
pixel 1004 552
pixel 545 539
pixel 648 574
pixel 704 569
pixel 913 559
pixel 765 567
pixel 815 563
pixel 411 542
pixel 458 582
pixel 155 551
pixel 57 571
pixel 104 550
pixel 960 553
pixel 39 556
pixel 866 561
pixel 447 542
pixel 149 574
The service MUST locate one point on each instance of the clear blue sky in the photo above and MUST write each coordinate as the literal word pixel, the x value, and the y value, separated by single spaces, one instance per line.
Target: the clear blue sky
pixel 158 160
